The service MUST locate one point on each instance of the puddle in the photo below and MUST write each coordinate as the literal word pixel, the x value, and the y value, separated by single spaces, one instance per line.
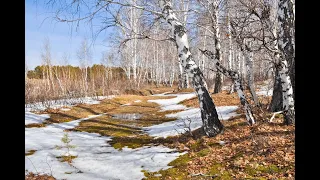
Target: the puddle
pixel 133 116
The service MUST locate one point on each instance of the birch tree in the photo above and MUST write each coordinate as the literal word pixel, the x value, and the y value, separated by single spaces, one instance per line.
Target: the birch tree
pixel 213 6
pixel 84 55
pixel 47 61
pixel 250 75
pixel 285 44
pixel 237 83
pixel 211 123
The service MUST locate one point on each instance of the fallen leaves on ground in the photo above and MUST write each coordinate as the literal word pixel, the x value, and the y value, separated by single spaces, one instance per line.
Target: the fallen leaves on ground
pixel 264 151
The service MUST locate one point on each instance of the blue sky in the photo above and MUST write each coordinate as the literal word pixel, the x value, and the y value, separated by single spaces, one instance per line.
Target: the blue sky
pixel 39 24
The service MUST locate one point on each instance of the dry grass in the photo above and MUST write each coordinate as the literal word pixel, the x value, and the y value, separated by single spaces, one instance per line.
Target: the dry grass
pixel 107 105
pixel 186 90
pixel 124 99
pixel 30 152
pixel 162 89
pixel 32 176
pixel 127 129
pixel 220 99
pixel 150 90
pixel 36 125
pixel 66 158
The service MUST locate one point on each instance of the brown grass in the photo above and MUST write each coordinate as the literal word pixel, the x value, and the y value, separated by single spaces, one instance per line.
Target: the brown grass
pixel 32 125
pixel 30 152
pixel 186 90
pixel 220 99
pixel 32 176
pixel 149 90
pixel 66 158
pixel 130 130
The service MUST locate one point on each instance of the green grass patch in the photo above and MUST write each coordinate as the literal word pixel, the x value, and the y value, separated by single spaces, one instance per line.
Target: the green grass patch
pixel 263 169
pixel 178 172
pixel 203 152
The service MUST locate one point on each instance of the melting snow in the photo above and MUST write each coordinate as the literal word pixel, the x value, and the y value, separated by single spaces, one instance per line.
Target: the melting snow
pixel 172 104
pixel 35 118
pixel 65 102
pixel 96 159
pixel 173 128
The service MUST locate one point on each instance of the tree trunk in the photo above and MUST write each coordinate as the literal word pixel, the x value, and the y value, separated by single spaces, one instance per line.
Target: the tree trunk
pixel 237 83
pixel 215 26
pixel 250 80
pixel 211 123
pixel 185 80
pixel 286 45
pixel 276 101
pixel 180 83
pixel 230 52
pixel 218 83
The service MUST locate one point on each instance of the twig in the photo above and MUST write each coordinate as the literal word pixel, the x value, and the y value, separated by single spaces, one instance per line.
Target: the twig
pixel 33 165
pixel 279 112
pixel 49 166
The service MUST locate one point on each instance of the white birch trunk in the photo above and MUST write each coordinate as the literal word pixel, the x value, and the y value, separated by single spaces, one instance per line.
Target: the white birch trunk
pixel 237 82
pixel 211 123
pixel 230 52
pixel 215 26
pixel 285 38
pixel 250 79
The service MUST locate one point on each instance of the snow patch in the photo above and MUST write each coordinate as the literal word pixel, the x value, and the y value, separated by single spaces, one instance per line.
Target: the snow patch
pixel 31 118
pixel 178 126
pixel 265 91
pixel 55 104
pixel 172 104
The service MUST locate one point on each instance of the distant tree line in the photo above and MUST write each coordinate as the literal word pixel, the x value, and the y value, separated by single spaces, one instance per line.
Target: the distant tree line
pixel 74 72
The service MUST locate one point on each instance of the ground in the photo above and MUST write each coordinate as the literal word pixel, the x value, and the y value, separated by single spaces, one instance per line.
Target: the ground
pixel 101 136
